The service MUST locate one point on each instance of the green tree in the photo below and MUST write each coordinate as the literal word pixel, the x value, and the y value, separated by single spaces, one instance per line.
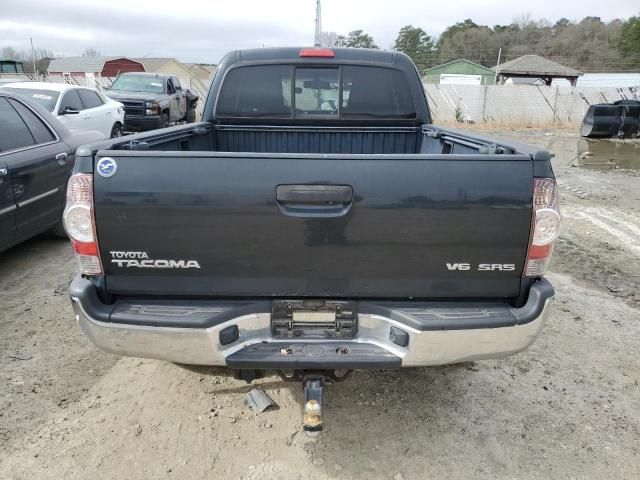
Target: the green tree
pixel 629 45
pixel 587 45
pixel 561 24
pixel 505 28
pixel 459 27
pixel 415 42
pixel 356 39
pixel 467 40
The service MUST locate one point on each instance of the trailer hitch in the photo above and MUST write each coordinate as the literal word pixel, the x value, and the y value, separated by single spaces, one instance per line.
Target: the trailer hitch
pixel 313 387
pixel 313 383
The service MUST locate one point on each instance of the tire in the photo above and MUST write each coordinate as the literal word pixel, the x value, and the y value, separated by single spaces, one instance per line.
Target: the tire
pixel 116 130
pixel 164 123
pixel 191 115
pixel 58 230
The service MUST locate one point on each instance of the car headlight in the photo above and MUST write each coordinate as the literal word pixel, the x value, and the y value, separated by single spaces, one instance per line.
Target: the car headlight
pixel 152 108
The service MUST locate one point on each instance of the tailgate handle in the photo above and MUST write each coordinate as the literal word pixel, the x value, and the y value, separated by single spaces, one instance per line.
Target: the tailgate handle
pixel 314 200
pixel 314 194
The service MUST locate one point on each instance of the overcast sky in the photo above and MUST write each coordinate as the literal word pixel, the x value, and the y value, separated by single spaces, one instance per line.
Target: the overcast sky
pixel 199 30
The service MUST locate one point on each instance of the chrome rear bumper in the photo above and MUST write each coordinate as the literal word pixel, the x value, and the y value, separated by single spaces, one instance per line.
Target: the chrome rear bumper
pixel 426 346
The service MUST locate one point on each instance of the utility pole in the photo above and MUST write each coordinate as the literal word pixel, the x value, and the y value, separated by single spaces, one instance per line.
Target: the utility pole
pixel 316 41
pixel 498 64
pixel 33 58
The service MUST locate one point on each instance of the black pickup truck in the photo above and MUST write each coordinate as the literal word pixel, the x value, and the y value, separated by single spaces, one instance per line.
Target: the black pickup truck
pixel 316 222
pixel 152 100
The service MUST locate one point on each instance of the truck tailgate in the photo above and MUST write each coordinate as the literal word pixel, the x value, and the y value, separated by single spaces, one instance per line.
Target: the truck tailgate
pixel 264 225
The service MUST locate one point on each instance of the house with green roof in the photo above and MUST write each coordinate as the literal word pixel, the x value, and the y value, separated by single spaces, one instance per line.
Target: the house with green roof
pixel 460 72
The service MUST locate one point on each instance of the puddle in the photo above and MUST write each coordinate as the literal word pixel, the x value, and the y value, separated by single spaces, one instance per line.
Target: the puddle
pixel 574 151
pixel 608 154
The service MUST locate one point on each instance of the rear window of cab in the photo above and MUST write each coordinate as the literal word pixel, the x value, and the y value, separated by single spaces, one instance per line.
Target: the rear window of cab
pixel 286 91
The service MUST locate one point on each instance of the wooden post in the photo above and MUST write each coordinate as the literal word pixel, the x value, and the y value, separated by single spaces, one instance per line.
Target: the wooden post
pixel 484 103
pixel 555 105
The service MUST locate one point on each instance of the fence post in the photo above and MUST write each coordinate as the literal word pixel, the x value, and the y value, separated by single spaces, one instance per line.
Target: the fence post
pixel 555 105
pixel 484 103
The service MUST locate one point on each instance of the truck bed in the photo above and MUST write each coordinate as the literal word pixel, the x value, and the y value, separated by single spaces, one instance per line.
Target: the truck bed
pixel 356 140
pixel 422 200
pixel 285 139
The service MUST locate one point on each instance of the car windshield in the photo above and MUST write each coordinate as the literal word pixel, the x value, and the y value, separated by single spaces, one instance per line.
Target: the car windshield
pixel 134 83
pixel 46 98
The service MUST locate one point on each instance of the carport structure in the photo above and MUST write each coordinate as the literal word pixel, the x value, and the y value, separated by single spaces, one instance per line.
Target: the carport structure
pixel 534 67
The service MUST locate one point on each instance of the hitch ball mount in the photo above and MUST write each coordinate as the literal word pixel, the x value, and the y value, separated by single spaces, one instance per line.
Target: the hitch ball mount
pixel 313 383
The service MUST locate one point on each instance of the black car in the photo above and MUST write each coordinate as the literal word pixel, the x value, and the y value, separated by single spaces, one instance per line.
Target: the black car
pixel 37 154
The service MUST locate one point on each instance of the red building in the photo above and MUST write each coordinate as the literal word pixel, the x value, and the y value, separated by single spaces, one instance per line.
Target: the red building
pixel 93 66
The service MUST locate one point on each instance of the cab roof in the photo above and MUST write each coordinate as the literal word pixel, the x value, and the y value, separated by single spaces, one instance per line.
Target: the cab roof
pixel 340 55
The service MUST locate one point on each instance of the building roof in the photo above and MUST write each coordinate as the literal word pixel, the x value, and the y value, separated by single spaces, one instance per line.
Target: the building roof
pixel 82 64
pixel 444 66
pixel 42 65
pixel 154 64
pixel 535 65
pixel 207 67
pixel 200 71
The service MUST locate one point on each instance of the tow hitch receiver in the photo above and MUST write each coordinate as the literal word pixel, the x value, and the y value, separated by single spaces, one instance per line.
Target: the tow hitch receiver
pixel 313 404
pixel 313 382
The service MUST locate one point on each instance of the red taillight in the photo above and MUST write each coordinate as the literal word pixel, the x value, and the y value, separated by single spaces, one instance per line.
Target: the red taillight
pixel 317 52
pixel 82 248
pixel 545 227
pixel 80 225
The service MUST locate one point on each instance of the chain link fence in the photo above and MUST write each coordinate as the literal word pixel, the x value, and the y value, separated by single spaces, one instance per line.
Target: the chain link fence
pixel 519 104
pixel 500 104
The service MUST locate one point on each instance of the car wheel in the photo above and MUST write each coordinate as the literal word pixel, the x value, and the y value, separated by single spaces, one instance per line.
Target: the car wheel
pixel 116 131
pixel 165 120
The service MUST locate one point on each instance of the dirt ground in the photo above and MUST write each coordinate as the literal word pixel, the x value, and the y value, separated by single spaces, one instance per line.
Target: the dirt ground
pixel 568 408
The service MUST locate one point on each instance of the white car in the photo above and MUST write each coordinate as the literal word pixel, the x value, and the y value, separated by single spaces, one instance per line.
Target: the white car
pixel 79 108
